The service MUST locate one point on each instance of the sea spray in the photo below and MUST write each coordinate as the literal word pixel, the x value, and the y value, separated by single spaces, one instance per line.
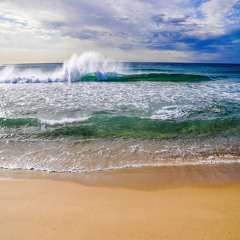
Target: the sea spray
pixel 78 67
pixel 7 74
pixel 74 69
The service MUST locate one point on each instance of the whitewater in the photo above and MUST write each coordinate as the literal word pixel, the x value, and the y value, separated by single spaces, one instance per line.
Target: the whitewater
pixel 73 69
pixel 92 113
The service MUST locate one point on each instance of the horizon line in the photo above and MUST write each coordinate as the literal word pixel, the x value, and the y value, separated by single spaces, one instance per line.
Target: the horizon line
pixel 126 62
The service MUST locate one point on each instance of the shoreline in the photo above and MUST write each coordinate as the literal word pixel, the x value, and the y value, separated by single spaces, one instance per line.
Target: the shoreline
pixel 146 178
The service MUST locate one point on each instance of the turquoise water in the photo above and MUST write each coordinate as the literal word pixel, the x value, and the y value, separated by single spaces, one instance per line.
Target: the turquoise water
pixel 89 114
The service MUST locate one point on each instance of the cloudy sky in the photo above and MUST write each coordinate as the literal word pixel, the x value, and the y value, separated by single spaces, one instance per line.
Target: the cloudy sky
pixel 126 30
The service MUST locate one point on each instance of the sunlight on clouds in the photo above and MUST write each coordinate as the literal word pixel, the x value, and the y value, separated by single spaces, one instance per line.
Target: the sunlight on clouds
pixel 175 29
pixel 216 12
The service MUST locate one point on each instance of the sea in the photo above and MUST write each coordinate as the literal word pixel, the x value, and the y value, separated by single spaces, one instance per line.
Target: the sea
pixel 93 113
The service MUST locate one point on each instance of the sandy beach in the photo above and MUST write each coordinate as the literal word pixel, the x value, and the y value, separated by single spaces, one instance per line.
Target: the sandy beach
pixel 48 209
pixel 120 120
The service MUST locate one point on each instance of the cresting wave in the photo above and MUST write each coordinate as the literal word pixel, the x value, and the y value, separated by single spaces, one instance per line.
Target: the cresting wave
pixel 89 66
pixel 76 68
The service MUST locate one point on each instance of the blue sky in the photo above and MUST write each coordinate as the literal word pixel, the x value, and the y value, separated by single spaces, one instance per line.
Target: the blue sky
pixel 136 30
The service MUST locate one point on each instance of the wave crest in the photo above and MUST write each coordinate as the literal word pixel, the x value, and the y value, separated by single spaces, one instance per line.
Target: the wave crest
pixel 74 69
pixel 89 63
pixel 89 66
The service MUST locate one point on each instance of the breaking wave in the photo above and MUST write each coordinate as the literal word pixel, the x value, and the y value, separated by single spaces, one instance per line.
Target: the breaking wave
pixel 76 68
pixel 89 66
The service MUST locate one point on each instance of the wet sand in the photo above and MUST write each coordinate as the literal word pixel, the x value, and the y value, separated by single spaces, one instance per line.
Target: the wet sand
pixel 145 178
pixel 49 209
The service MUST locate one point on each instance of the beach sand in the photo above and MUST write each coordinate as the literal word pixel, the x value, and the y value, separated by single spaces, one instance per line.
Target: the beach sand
pixel 47 209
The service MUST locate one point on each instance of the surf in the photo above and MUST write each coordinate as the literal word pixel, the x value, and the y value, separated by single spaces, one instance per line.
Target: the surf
pixel 118 127
pixel 73 69
pixel 89 67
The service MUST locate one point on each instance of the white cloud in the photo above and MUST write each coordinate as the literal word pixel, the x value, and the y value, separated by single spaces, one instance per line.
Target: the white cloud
pixel 216 12
pixel 107 25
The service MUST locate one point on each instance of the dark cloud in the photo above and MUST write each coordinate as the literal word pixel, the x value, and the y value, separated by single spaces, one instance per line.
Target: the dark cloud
pixel 86 34
pixel 163 19
pixel 158 18
pixel 226 46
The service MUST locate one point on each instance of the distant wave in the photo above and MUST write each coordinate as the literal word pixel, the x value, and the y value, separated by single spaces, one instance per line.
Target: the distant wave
pixel 89 66
pixel 114 77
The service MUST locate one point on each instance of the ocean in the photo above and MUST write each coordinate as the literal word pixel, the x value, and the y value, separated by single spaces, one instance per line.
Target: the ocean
pixel 93 114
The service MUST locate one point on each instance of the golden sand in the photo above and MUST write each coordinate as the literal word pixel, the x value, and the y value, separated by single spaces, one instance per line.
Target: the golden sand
pixel 46 209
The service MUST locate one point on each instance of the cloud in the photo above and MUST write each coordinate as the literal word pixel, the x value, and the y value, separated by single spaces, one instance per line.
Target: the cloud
pixel 218 12
pixel 184 27
pixel 163 19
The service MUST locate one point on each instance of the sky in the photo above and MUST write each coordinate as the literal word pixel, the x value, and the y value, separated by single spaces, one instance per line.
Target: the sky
pixel 33 31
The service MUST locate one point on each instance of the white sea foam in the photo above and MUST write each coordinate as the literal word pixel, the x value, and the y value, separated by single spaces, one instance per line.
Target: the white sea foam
pixel 103 155
pixel 62 121
pixel 172 112
pixel 111 168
